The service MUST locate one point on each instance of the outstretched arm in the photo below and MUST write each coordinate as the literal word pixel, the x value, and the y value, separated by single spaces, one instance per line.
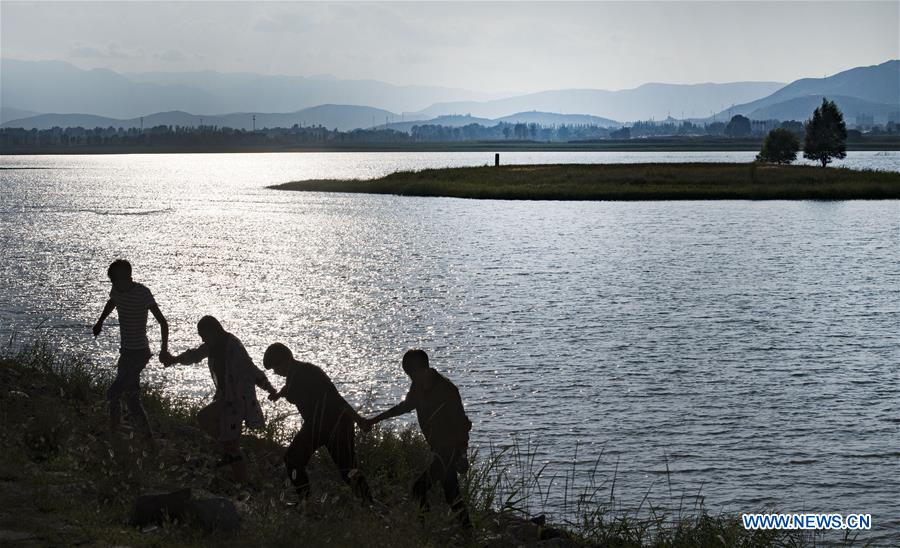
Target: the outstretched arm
pixel 400 409
pixel 107 310
pixel 261 380
pixel 163 329
pixel 357 418
pixel 187 357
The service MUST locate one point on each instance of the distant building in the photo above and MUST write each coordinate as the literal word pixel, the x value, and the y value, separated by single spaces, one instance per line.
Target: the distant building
pixel 864 121
pixel 763 127
pixel 894 117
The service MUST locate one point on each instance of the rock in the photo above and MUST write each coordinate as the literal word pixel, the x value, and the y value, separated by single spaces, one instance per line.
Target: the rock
pixel 214 514
pixel 156 508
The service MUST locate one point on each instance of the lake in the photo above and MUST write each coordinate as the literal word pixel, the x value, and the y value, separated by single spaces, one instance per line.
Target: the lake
pixel 743 351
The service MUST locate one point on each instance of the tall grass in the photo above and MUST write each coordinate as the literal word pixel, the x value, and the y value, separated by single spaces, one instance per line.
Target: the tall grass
pixel 53 427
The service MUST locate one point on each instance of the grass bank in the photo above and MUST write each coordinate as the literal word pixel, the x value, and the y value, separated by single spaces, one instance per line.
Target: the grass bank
pixel 64 480
pixel 691 181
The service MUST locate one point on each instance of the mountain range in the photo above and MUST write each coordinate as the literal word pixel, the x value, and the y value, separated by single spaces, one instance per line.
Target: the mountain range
pixel 873 90
pixel 31 89
pixel 56 86
pixel 342 117
pixel 650 101
pixel 531 117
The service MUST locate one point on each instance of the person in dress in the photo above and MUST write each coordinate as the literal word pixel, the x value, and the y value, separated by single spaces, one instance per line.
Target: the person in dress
pixel 236 378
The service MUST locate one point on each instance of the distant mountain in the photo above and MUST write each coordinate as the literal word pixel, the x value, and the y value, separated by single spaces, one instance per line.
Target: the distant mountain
pixel 31 87
pixel 540 118
pixel 56 86
pixel 645 102
pixel 342 117
pixel 277 93
pixel 453 120
pixel 876 85
pixel 801 108
pixel 556 119
pixel 10 113
pixel 47 121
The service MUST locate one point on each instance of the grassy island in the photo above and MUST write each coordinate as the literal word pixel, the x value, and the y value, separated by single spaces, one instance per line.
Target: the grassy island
pixel 66 480
pixel 686 181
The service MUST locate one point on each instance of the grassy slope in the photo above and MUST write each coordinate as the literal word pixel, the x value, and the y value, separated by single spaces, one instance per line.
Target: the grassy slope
pixel 64 480
pixel 697 181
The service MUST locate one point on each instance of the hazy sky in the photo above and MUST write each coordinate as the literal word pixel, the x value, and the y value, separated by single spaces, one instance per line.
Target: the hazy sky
pixel 497 46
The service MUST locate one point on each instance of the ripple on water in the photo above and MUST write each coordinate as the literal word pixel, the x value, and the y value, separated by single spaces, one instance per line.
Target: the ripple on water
pixel 742 354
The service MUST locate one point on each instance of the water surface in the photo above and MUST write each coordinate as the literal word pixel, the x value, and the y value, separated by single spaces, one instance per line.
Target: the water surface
pixel 749 347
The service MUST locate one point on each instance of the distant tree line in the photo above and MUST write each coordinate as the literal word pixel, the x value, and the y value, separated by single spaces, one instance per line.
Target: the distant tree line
pixel 193 136
pixel 213 136
pixel 506 131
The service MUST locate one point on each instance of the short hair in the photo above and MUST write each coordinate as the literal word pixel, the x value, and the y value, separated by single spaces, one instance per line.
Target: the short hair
pixel 276 353
pixel 119 266
pixel 414 359
pixel 209 323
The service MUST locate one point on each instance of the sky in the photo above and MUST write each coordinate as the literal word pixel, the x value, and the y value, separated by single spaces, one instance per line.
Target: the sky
pixel 495 47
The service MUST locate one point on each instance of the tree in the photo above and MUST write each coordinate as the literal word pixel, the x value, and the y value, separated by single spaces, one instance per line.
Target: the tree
pixel 826 134
pixel 780 147
pixel 715 128
pixel 739 126
pixel 794 127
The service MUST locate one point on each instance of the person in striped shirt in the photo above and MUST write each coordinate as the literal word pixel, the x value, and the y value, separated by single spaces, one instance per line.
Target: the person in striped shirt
pixel 132 300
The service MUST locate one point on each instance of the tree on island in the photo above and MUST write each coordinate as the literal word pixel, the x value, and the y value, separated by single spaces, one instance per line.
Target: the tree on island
pixel 780 147
pixel 739 126
pixel 826 134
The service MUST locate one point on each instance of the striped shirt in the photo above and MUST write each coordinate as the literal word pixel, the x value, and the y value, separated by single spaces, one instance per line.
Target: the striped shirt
pixel 132 306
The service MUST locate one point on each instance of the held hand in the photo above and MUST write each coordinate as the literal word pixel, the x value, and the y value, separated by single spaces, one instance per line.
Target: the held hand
pixel 98 327
pixel 274 396
pixel 366 424
pixel 166 358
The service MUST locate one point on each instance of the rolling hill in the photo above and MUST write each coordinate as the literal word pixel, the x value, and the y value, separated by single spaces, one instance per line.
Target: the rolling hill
pixel 801 108
pixel 645 102
pixel 56 86
pixel 343 117
pixel 873 90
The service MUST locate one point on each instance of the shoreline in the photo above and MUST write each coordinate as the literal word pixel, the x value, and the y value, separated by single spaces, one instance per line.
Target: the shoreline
pixel 66 480
pixel 624 182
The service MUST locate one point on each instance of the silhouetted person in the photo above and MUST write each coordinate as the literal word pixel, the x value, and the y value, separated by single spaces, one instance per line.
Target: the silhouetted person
pixel 132 301
pixel 327 421
pixel 234 403
pixel 445 425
